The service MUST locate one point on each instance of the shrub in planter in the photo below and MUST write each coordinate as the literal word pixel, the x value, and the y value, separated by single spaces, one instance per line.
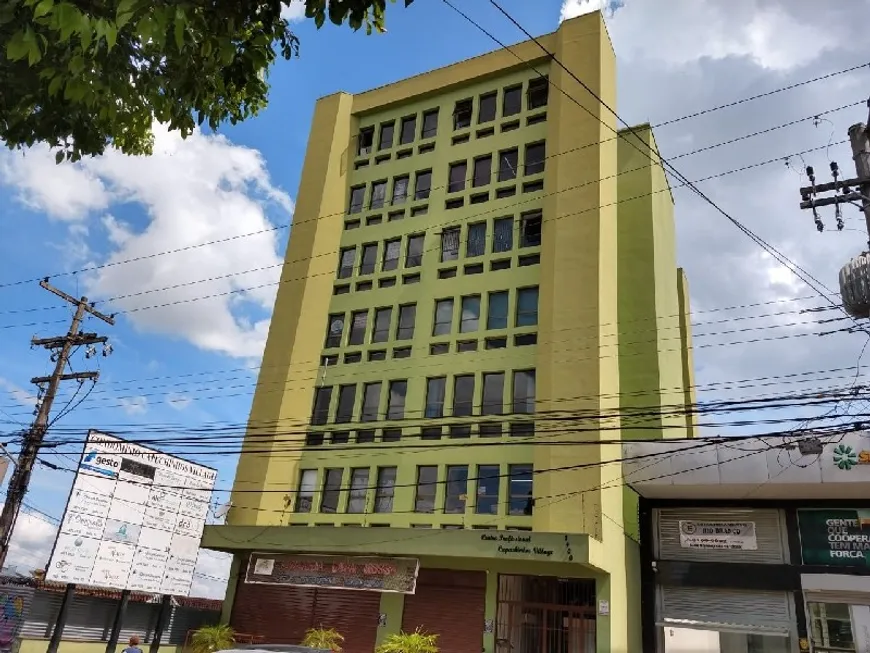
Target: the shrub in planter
pixel 213 638
pixel 327 639
pixel 416 642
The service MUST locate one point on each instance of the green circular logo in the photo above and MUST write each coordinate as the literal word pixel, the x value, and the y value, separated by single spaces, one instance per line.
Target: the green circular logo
pixel 845 457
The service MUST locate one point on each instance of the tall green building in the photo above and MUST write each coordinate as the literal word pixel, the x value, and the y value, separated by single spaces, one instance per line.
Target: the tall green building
pixel 480 298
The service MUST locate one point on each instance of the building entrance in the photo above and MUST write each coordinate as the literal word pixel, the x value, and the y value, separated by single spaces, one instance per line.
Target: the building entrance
pixel 540 614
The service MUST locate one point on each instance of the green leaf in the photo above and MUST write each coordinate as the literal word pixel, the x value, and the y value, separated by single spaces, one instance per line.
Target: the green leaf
pixel 58 158
pixel 17 47
pixel 67 20
pixel 125 7
pixel 54 85
pixel 319 19
pixel 179 29
pixel 43 8
pixel 111 36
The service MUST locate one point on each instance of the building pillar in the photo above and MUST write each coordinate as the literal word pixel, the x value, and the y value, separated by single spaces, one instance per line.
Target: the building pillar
pixel 491 611
pixel 392 609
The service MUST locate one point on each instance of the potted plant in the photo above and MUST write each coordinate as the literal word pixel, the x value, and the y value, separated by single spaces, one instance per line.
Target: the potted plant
pixel 208 639
pixel 416 642
pixel 325 639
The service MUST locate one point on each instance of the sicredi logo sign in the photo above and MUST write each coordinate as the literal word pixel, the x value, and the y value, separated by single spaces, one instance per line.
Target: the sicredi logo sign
pixel 101 463
pixel 845 457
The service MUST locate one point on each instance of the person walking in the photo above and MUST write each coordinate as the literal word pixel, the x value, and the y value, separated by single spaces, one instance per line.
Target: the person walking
pixel 134 646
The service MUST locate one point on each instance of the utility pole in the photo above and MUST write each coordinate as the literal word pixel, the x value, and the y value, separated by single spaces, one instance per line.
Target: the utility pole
pixel 855 275
pixel 62 347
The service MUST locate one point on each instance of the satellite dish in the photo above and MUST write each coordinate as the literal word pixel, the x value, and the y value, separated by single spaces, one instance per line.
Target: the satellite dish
pixel 223 510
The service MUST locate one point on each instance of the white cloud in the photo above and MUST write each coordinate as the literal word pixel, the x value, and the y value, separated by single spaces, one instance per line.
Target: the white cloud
pixel 293 11
pixel 31 543
pixel 178 401
pixel 211 574
pixel 19 394
pixel 574 8
pixel 134 405
pixel 188 192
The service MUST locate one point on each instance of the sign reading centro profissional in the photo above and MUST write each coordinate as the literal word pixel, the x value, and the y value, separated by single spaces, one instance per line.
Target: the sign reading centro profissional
pixel 339 572
pixel 835 537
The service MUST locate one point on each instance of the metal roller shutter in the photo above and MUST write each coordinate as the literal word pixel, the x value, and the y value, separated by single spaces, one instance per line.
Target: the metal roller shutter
pixel 725 609
pixel 278 614
pixel 451 604
pixel 353 613
pixel 769 529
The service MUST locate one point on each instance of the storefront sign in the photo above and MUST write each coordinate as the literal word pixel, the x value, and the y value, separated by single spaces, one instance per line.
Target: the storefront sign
pixel 846 457
pixel 338 572
pixel 718 535
pixel 834 537
pixel 516 545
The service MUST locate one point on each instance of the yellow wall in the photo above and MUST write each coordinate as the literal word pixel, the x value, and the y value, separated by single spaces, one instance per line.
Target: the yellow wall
pixel 67 646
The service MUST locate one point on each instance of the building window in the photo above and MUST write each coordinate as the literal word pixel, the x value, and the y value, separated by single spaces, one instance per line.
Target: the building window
pixel 409 129
pixel 331 490
pixel 396 406
pixel 476 244
pixel 462 114
pixel 423 185
pixel 400 189
pixel 488 478
pixel 427 483
pixel 435 390
pixel 512 103
pixel 443 317
pixel 530 229
pixel 385 489
pixel 358 323
pixel 305 495
pixel 414 257
pixel 430 124
pixel 369 258
pixel 359 485
pixel 520 499
pixel 407 317
pixel 493 394
pixel 320 408
pixel 497 310
pixel 366 140
pixel 527 307
pixel 508 162
pixel 538 93
pixel 357 199
pixel 486 110
pixel 456 492
pixel 524 392
pixel 463 395
pixel 386 139
pixel 536 154
pixel 450 244
pixel 456 176
pixel 502 235
pixel 346 400
pixel 470 318
pixel 346 261
pixel 335 330
pixel 392 249
pixel 482 171
pixel 371 402
pixel 381 330
pixel 379 193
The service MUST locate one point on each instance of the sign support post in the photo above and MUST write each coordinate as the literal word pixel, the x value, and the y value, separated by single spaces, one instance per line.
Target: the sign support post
pixel 60 623
pixel 162 622
pixel 118 621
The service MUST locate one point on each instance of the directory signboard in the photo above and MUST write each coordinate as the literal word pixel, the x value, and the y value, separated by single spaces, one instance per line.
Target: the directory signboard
pixel 134 519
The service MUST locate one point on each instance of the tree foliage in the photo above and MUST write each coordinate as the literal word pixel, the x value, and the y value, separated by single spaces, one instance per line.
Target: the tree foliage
pixel 81 75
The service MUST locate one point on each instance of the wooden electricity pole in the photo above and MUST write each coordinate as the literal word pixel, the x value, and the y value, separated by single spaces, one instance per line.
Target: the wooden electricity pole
pixel 62 347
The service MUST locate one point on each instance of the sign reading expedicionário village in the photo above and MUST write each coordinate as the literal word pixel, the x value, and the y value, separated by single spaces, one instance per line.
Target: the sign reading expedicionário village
pixel 371 573
pixel 835 537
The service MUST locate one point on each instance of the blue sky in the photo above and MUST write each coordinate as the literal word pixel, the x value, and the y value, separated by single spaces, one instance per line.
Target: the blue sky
pixel 183 361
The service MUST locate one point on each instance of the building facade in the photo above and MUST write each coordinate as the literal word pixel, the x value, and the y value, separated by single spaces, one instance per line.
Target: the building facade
pixel 756 546
pixel 479 299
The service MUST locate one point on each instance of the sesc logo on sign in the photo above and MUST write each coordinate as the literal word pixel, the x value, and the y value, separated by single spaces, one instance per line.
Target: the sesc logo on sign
pixel 100 463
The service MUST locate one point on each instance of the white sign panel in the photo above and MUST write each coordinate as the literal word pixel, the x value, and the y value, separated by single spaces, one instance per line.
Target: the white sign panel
pixel 134 519
pixel 718 535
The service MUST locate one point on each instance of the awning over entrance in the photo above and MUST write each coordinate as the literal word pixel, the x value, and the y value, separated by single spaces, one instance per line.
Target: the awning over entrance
pixel 466 544
pixel 829 466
